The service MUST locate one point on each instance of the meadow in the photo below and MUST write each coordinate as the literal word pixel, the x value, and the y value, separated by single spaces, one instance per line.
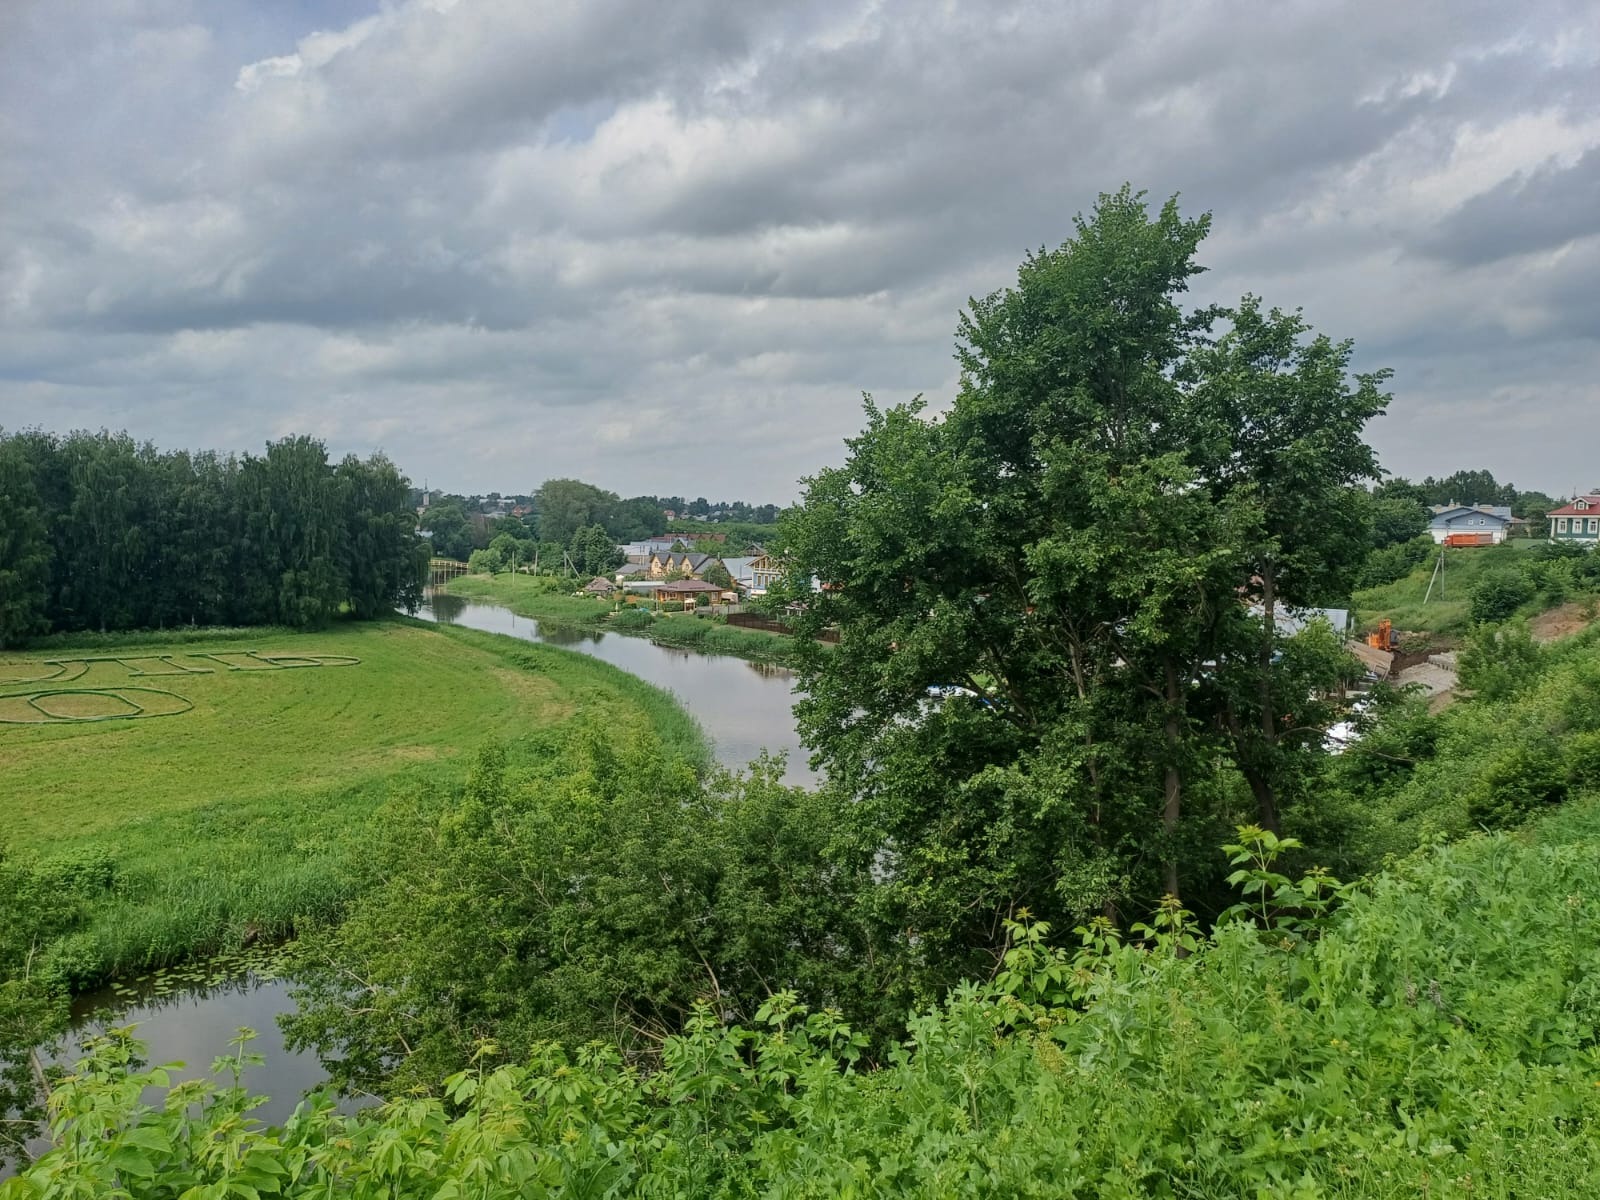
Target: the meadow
pixel 221 814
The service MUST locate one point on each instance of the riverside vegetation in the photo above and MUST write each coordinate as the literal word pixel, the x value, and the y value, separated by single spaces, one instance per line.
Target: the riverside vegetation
pixel 1066 917
pixel 551 602
pixel 1435 1036
pixel 139 843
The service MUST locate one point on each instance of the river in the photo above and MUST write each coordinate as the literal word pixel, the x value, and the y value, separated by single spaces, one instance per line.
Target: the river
pixel 743 706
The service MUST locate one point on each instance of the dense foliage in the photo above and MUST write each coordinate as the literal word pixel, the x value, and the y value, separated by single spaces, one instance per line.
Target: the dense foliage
pixel 1094 545
pixel 1436 1037
pixel 1527 738
pixel 597 895
pixel 101 533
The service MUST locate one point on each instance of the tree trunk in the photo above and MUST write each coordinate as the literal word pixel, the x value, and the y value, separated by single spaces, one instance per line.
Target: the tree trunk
pixel 1174 781
pixel 1257 776
pixel 1260 778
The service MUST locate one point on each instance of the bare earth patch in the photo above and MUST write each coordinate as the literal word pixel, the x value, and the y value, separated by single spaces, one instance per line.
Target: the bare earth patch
pixel 1562 621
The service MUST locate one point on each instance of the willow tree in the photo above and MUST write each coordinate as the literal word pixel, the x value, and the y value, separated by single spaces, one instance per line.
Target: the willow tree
pixel 1063 549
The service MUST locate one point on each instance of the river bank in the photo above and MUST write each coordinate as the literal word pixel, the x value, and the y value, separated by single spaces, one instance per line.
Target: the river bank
pixel 533 597
pixel 744 706
pixel 249 869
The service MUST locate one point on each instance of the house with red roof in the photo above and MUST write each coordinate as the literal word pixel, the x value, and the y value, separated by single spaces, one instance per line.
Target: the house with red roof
pixel 1578 520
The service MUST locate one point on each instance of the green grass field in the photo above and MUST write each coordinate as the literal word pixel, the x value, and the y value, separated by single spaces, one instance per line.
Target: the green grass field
pixel 224 811
pixel 544 600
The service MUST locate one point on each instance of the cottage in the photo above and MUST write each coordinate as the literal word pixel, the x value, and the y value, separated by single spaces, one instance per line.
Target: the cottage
pixel 688 563
pixel 1484 524
pixel 688 591
pixel 598 586
pixel 1576 521
pixel 765 571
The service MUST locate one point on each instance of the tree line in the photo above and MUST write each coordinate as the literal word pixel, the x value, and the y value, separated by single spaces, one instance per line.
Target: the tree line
pixel 99 532
pixel 576 526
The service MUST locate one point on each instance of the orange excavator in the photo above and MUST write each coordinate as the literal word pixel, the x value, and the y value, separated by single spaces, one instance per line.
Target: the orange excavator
pixel 1383 636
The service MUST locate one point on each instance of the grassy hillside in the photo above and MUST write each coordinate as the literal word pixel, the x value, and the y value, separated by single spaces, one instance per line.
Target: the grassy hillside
pixel 221 812
pixel 1435 1038
pixel 1447 609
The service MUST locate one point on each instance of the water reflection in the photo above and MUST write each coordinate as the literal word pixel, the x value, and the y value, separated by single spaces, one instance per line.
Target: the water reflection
pixel 744 706
pixel 195 1025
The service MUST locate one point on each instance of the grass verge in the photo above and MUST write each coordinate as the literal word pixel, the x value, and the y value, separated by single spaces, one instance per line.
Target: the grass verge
pixel 230 821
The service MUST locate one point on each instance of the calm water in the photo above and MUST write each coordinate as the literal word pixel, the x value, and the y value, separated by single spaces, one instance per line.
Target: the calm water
pixel 194 1027
pixel 743 706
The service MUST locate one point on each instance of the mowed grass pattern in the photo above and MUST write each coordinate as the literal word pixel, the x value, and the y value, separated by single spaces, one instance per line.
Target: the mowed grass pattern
pixel 254 733
pixel 235 820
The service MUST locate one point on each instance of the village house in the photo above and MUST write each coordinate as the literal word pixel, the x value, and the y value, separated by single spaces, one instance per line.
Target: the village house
pixel 1576 521
pixel 765 571
pixel 598 586
pixel 688 563
pixel 1485 524
pixel 689 591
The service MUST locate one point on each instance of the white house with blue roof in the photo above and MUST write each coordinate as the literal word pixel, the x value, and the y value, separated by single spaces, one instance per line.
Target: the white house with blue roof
pixel 1479 519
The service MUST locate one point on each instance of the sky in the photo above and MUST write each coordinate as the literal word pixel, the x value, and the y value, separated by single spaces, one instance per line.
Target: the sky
pixel 666 247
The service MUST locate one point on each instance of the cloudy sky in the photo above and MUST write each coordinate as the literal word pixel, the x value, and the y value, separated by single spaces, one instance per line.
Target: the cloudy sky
pixel 665 247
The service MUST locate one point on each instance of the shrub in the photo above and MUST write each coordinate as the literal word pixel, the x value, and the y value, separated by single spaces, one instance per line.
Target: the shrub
pixel 1498 594
pixel 1498 663
pixel 80 873
pixel 1435 1037
pixel 1394 562
pixel 1519 781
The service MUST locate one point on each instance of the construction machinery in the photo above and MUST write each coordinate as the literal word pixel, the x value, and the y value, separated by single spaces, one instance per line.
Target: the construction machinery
pixel 1383 636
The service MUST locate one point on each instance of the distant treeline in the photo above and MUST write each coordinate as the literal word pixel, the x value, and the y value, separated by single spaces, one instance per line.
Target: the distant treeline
pixel 98 532
pixel 564 509
pixel 1469 487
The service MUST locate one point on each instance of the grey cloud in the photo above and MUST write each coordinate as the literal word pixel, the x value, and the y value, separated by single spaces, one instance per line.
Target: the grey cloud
pixel 504 241
pixel 1543 210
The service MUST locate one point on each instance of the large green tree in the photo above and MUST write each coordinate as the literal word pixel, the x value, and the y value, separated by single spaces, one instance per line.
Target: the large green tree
pixel 1277 421
pixel 1075 547
pixel 567 505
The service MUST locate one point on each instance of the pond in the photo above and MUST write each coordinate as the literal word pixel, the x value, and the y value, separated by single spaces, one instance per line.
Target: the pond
pixel 193 1024
pixel 743 706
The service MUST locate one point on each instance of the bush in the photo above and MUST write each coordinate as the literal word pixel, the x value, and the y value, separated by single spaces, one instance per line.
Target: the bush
pixel 1394 562
pixel 1498 594
pixel 80 873
pixel 1436 1038
pixel 1521 780
pixel 631 620
pixel 1498 663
